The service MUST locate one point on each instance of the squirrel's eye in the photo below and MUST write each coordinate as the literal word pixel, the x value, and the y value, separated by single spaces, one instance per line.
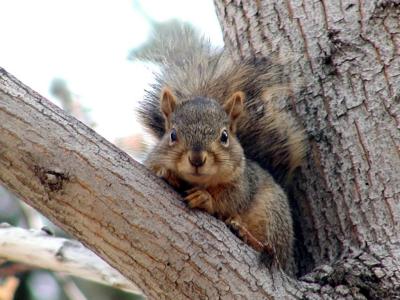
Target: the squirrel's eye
pixel 173 135
pixel 224 137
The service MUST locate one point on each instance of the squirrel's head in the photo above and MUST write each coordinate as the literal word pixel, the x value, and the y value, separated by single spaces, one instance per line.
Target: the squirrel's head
pixel 200 143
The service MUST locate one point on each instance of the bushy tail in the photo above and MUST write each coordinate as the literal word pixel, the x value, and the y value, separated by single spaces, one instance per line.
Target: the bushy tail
pixel 190 66
pixel 170 42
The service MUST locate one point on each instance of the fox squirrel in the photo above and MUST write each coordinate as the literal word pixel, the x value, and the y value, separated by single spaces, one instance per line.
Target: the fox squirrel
pixel 222 141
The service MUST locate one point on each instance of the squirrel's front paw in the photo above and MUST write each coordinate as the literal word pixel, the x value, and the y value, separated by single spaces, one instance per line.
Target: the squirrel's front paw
pixel 199 198
pixel 172 180
pixel 168 176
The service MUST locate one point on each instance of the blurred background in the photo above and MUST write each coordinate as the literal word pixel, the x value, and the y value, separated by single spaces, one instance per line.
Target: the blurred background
pixel 81 56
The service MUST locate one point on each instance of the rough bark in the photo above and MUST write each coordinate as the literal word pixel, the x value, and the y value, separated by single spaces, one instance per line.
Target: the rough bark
pixel 38 249
pixel 119 210
pixel 347 199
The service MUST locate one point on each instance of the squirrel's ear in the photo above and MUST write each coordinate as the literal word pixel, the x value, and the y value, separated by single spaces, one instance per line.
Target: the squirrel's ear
pixel 168 103
pixel 234 107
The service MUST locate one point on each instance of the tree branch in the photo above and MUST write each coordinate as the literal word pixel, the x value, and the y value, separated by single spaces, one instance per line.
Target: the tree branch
pixel 115 207
pixel 38 249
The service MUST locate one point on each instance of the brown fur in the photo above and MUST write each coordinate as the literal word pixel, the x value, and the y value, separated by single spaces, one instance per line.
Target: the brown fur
pixel 224 183
pixel 196 100
pixel 267 134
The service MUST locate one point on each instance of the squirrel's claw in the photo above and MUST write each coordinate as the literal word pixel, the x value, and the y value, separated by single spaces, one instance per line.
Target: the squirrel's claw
pixel 199 198
pixel 194 189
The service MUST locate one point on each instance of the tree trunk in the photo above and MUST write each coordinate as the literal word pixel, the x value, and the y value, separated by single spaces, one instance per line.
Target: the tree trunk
pixel 347 196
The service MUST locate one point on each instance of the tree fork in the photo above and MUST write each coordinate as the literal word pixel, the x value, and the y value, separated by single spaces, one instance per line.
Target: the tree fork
pixel 347 196
pixel 118 209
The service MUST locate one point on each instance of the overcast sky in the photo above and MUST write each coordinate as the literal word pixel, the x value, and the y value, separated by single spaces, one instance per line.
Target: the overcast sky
pixel 86 42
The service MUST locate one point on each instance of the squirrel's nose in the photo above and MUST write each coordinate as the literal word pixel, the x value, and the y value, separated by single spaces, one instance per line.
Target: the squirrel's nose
pixel 197 159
